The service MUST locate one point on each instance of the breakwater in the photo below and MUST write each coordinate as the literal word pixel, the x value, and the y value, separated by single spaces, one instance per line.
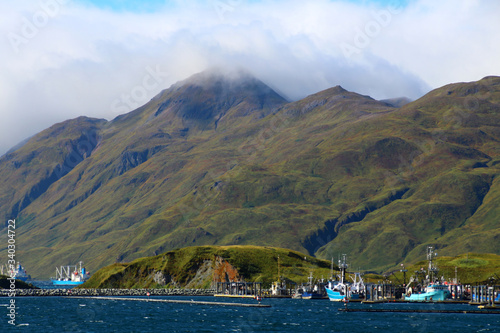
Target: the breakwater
pixel 248 305
pixel 108 292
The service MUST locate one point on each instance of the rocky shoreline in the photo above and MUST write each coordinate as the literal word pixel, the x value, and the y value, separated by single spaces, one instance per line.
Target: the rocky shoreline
pixel 107 292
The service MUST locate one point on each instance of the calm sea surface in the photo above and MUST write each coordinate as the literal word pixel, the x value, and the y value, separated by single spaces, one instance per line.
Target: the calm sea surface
pixel 58 314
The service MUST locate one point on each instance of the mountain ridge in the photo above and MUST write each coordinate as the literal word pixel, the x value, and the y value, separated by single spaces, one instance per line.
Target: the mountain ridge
pixel 335 171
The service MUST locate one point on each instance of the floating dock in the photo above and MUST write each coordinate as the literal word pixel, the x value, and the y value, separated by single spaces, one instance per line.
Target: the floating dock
pixel 421 311
pixel 248 305
pixel 235 296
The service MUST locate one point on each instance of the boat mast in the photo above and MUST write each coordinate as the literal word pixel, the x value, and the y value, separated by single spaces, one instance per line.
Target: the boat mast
pixel 432 269
pixel 343 268
pixel 279 278
pixel 331 270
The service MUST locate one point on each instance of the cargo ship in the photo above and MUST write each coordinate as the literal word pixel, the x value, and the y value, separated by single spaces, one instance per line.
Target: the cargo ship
pixel 70 275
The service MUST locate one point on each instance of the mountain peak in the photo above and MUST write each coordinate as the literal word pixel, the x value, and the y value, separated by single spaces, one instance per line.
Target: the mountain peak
pixel 211 98
pixel 338 94
pixel 337 90
pixel 217 75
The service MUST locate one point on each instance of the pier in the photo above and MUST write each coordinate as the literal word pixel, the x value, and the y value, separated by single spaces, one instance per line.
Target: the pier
pixel 485 295
pixel 248 305
pixel 238 289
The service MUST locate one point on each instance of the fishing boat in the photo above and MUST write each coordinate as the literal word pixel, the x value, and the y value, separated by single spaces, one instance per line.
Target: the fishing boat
pixel 17 272
pixel 434 289
pixel 337 291
pixel 279 287
pixel 313 290
pixel 357 289
pixel 297 294
pixel 70 276
pixel 433 292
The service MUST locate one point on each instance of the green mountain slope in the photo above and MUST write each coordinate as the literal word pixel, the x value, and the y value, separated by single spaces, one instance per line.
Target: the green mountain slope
pixel 217 160
pixel 201 266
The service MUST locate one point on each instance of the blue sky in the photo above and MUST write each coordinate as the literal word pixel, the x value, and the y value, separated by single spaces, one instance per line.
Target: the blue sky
pixel 67 58
pixel 153 5
pixel 129 5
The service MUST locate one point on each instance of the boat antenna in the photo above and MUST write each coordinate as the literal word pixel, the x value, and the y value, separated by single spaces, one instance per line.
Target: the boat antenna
pixel 279 279
pixel 432 268
pixel 331 270
pixel 342 267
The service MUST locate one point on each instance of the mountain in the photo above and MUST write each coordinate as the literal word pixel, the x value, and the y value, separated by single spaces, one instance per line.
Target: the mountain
pixel 222 159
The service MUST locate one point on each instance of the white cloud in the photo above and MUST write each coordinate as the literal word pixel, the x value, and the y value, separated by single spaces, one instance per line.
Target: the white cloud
pixel 62 59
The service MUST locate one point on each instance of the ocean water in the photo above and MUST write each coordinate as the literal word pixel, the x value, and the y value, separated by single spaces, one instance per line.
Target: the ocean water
pixel 47 284
pixel 59 314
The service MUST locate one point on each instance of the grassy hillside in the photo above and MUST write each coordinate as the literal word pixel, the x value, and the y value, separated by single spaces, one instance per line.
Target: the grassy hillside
pixel 451 176
pixel 200 266
pixel 471 268
pixel 217 161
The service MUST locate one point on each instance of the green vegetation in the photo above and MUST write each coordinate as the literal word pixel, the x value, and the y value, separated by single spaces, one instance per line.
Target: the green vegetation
pixel 5 283
pixel 211 161
pixel 260 264
pixel 181 267
pixel 471 268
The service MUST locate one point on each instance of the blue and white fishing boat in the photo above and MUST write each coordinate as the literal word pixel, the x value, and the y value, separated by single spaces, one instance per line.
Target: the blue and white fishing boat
pixel 337 291
pixel 70 276
pixel 435 290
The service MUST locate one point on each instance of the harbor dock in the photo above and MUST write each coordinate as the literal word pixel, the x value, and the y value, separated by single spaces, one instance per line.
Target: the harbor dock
pixel 238 289
pixel 422 311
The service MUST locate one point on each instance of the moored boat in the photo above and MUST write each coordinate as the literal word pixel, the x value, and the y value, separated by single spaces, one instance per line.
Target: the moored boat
pixel 337 291
pixel 17 272
pixel 297 294
pixel 435 290
pixel 311 290
pixel 70 276
pixel 357 289
pixel 280 287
